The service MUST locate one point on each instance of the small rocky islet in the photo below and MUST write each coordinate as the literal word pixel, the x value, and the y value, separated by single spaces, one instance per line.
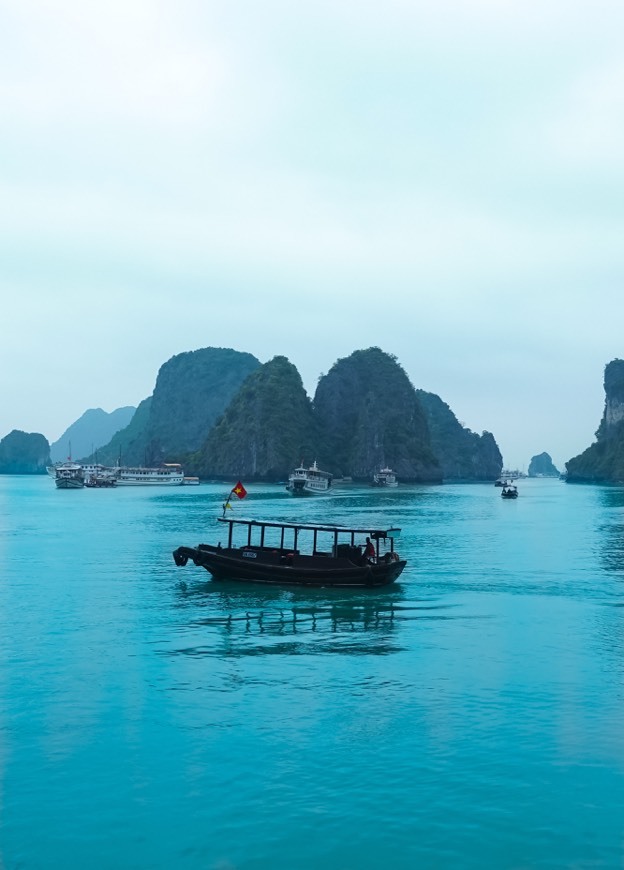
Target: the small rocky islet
pixel 542 465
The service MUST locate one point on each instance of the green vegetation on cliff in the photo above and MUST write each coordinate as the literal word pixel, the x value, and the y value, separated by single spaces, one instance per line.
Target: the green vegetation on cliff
pixel 24 453
pixel 192 391
pixel 463 454
pixel 265 431
pixel 603 461
pixel 370 417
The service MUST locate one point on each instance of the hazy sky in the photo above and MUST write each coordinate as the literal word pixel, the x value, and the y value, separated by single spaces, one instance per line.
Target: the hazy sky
pixel 443 180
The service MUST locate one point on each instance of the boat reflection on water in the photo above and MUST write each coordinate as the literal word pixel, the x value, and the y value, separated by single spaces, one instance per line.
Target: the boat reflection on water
pixel 610 529
pixel 300 623
pixel 333 617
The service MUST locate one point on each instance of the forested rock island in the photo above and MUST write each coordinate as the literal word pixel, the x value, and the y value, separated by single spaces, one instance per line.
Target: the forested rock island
pixel 224 414
pixel 24 453
pixel 603 461
pixel 542 465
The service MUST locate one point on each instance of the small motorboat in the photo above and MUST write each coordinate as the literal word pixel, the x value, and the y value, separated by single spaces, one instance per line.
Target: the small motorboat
pixel 509 491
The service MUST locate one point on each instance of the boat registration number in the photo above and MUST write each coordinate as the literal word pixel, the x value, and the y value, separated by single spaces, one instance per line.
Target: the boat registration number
pixel 249 554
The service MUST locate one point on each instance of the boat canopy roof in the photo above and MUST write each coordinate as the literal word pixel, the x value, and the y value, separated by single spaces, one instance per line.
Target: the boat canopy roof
pixel 313 527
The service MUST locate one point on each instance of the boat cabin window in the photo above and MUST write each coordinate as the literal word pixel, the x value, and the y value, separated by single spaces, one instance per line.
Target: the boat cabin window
pixel 292 539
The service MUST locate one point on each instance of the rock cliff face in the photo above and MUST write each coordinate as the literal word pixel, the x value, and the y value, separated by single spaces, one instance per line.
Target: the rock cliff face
pixel 614 401
pixel 370 417
pixel 542 466
pixel 265 431
pixel 91 431
pixel 192 391
pixel 463 454
pixel 24 453
pixel 603 462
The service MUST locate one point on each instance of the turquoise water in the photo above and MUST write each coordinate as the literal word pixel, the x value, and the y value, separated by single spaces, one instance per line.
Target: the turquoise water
pixel 472 715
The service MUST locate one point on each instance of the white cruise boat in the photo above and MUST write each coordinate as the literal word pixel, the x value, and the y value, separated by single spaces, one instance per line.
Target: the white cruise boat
pixel 169 474
pixel 385 477
pixel 309 481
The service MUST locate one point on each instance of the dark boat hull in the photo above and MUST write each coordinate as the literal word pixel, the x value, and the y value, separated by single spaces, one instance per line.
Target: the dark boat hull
pixel 69 483
pixel 278 569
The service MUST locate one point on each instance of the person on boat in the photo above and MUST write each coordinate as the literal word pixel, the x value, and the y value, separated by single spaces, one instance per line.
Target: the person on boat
pixel 369 551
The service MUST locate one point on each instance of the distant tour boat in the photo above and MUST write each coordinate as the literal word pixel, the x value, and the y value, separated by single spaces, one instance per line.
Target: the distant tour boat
pixel 191 481
pixel 169 474
pixel 385 477
pixel 309 481
pixel 68 475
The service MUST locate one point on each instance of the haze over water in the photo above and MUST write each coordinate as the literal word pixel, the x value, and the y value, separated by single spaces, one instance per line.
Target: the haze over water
pixel 469 716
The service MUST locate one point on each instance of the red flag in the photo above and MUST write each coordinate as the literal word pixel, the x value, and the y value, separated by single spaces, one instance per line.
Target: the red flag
pixel 239 490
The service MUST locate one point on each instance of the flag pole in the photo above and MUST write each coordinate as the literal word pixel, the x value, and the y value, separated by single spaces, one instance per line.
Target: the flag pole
pixel 227 501
pixel 240 491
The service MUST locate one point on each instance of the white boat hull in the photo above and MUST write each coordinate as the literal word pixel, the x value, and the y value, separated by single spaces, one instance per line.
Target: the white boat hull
pixel 309 481
pixel 170 482
pixel 306 489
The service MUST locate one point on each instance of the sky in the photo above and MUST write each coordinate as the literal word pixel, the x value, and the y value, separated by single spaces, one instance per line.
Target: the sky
pixel 442 180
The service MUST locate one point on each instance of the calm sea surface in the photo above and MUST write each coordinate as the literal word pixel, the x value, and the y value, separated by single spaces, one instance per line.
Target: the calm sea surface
pixel 470 716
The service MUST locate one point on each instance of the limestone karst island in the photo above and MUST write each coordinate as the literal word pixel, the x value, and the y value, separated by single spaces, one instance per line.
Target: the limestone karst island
pixel 222 413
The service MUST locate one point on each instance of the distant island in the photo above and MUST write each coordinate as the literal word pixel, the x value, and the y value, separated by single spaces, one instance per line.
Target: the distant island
pixel 91 431
pixel 542 466
pixel 24 453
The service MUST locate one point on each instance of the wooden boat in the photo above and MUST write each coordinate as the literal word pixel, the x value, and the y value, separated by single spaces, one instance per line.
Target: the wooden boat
pixel 69 475
pixel 283 554
pixel 509 491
